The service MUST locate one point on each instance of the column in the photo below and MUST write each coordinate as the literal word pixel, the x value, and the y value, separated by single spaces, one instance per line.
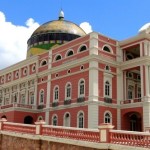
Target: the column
pixel 93 83
pixel 146 98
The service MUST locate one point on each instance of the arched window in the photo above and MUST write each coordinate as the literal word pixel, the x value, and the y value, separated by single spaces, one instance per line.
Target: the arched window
pixel 54 121
pixel 70 53
pixel 80 120
pixel 67 120
pixel 43 63
pixel 107 48
pixel 81 88
pixel 82 48
pixel 58 57
pixel 107 68
pixel 68 91
pixel 56 93
pixel 107 117
pixel 107 89
pixel 41 96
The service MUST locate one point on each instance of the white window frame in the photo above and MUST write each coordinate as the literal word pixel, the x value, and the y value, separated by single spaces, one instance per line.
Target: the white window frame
pixel 110 117
pixel 66 91
pixel 79 88
pixel 67 121
pixel 54 93
pixel 57 56
pixel 78 119
pixel 110 48
pixel 40 96
pixel 55 116
pixel 68 53
pixel 23 98
pixel 32 98
pixel 44 60
pixel 81 47
pixel 108 77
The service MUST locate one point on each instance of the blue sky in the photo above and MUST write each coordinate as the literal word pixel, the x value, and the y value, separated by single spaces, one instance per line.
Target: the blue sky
pixel 114 18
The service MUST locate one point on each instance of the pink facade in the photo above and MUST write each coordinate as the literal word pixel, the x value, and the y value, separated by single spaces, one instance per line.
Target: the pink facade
pixel 82 83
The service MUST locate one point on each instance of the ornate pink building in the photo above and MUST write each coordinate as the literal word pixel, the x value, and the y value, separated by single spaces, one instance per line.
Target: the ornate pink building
pixel 75 79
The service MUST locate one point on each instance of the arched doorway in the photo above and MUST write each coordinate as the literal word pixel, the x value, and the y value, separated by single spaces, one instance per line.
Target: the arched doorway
pixel 28 120
pixel 135 122
pixel 132 121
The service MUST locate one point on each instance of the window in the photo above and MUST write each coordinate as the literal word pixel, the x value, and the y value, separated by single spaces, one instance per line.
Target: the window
pixel 130 92
pixel 80 120
pixel 107 89
pixel 25 71
pixel 70 53
pixel 107 118
pixel 107 68
pixel 139 92
pixel 107 49
pixel 67 120
pixel 81 67
pixel 56 94
pixel 6 101
pixel 17 74
pixel 82 48
pixel 22 98
pixel 42 96
pixel 31 98
pixel 15 98
pixel 81 88
pixel 68 91
pixel 58 57
pixel 54 121
pixel 33 68
pixel 43 63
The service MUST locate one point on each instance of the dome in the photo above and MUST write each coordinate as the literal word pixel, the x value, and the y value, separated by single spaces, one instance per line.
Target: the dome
pixel 59 26
pixel 53 33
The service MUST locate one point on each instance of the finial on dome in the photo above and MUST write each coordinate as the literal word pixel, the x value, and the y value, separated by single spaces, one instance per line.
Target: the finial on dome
pixel 61 15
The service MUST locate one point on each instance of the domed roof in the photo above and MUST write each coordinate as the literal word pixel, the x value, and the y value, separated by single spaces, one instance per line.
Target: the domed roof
pixel 59 26
pixel 52 34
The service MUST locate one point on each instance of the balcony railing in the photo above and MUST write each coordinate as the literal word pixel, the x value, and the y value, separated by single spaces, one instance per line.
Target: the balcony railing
pixel 80 99
pixel 67 102
pixel 107 100
pixel 55 104
pixel 128 101
pixel 27 106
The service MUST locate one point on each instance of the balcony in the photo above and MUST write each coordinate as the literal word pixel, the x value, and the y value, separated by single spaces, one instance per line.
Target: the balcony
pixel 18 105
pixel 80 99
pixel 40 106
pixel 129 101
pixel 107 100
pixel 55 104
pixel 67 102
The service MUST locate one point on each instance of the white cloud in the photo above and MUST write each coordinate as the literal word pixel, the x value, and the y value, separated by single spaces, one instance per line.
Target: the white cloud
pixel 13 40
pixel 145 27
pixel 86 27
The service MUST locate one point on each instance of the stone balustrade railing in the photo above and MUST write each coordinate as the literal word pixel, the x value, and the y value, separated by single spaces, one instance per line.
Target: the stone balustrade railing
pixel 104 133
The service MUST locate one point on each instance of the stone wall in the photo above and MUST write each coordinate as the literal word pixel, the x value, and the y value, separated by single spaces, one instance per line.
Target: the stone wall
pixel 8 142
